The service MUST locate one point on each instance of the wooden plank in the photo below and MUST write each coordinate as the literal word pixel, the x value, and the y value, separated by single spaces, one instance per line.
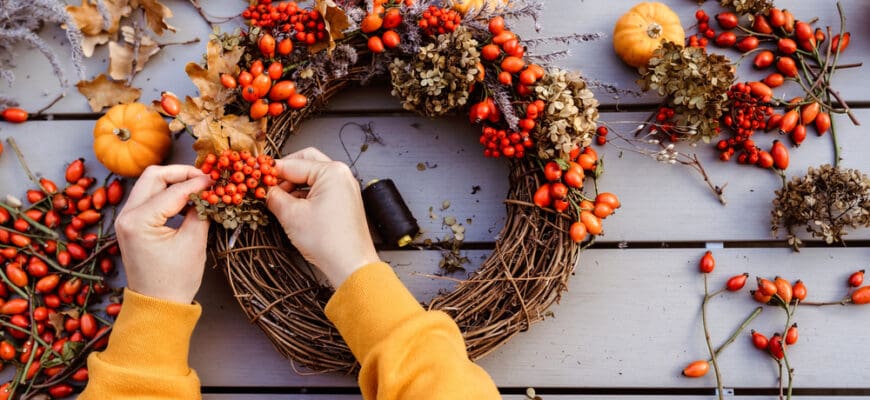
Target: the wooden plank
pixel 631 319
pixel 623 309
pixel 35 85
pixel 656 198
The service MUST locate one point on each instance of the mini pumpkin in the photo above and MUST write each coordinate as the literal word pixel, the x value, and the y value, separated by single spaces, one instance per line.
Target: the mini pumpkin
pixel 462 6
pixel 640 31
pixel 129 138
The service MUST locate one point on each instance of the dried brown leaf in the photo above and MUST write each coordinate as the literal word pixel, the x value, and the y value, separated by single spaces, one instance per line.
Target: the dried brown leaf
pixel 335 22
pixel 121 54
pixel 229 132
pixel 207 79
pixel 155 15
pixel 118 9
pixel 87 17
pixel 101 92
pixel 89 43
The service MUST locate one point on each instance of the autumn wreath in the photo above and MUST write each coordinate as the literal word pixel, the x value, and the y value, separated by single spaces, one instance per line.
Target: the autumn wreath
pixel 257 86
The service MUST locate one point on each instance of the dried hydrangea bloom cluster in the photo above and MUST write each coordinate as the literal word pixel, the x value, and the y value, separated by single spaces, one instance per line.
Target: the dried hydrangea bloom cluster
pixel 749 6
pixel 827 200
pixel 438 79
pixel 570 116
pixel 695 84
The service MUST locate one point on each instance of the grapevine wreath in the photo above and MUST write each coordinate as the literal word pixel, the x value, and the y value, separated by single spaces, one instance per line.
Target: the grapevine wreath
pixel 258 85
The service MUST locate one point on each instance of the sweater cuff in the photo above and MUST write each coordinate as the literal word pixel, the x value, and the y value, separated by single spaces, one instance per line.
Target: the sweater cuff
pixel 369 305
pixel 152 333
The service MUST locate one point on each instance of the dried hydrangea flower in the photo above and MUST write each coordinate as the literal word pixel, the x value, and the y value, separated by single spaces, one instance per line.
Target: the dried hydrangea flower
pixel 826 201
pixel 695 84
pixel 570 117
pixel 438 79
pixel 749 6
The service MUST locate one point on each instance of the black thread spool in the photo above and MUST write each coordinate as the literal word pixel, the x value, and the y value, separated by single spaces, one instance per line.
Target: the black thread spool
pixel 388 212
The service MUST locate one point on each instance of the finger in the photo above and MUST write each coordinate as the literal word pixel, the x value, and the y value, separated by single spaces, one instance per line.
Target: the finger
pixel 169 202
pixel 156 179
pixel 300 171
pixel 193 229
pixel 282 204
pixel 308 153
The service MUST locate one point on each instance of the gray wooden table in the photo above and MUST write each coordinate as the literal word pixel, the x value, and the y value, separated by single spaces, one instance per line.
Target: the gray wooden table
pixel 630 320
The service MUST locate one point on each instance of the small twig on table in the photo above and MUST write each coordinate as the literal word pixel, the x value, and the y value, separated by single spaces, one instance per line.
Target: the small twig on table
pixel 707 297
pixel 137 43
pixel 53 102
pixel 205 17
pixel 695 163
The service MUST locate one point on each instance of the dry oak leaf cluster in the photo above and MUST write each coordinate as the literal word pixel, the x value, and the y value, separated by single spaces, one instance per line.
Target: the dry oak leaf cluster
pixel 204 116
pixel 130 47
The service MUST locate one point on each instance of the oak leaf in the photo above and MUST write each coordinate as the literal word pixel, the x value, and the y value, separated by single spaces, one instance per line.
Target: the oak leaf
pixel 232 132
pixel 118 9
pixel 207 79
pixel 101 92
pixel 121 54
pixel 155 15
pixel 335 21
pixel 87 17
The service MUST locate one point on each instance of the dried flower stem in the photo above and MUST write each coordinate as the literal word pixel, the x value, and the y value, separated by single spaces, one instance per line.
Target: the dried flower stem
pixel 707 297
pixel 755 313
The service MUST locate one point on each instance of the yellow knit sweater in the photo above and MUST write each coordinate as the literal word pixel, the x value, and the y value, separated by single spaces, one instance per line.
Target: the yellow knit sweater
pixel 405 352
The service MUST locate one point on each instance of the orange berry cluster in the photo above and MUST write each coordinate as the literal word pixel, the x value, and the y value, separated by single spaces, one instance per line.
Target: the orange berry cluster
pixel 437 21
pixel 237 174
pixel 265 90
pixel 498 142
pixel 287 17
pixel 565 178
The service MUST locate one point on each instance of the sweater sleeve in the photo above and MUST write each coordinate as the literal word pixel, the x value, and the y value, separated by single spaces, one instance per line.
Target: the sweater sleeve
pixel 405 351
pixel 147 353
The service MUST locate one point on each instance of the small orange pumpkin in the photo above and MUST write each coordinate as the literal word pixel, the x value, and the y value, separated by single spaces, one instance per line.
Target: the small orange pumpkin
pixel 640 31
pixel 462 6
pixel 129 138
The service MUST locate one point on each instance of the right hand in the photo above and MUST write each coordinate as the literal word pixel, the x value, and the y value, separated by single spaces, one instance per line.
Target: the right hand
pixel 327 223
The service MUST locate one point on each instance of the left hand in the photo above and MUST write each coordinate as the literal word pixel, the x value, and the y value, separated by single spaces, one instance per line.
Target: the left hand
pixel 160 261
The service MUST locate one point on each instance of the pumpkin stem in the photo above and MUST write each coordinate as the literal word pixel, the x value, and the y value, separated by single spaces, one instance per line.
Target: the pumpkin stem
pixel 122 133
pixel 654 30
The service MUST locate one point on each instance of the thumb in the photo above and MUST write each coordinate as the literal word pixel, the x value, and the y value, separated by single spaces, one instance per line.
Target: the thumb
pixel 283 205
pixel 193 229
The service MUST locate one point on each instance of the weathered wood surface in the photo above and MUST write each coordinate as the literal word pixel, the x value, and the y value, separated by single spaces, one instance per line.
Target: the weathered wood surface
pixel 595 59
pixel 659 201
pixel 630 318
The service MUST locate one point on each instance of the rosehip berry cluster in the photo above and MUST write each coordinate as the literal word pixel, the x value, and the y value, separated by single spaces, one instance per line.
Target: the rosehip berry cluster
pixel 437 21
pixel 386 19
pixel 238 175
pixel 506 53
pixel 265 90
pixel 52 281
pixel 562 191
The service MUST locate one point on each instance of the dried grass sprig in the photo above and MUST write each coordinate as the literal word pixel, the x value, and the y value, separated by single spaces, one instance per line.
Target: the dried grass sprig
pixel 19 22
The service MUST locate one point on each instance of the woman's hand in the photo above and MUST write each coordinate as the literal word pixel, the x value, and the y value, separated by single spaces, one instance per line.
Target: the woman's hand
pixel 160 261
pixel 327 223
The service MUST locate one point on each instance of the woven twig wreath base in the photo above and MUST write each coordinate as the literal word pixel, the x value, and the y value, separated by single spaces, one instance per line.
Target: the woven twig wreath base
pixel 280 292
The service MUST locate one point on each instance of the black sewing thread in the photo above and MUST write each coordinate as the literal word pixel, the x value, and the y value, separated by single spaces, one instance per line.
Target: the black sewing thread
pixel 388 212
